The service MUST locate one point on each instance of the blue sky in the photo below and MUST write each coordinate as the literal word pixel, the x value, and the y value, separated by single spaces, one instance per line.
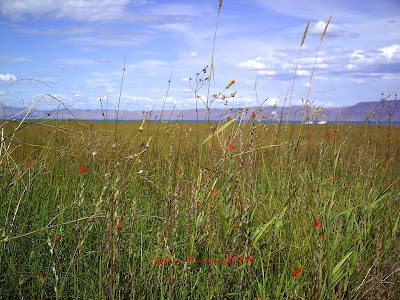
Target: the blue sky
pixel 76 48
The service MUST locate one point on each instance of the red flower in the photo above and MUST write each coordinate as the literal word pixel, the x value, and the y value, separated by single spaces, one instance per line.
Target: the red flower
pixel 251 245
pixel 120 224
pixel 387 158
pixel 43 275
pixel 213 192
pixel 56 238
pixel 36 295
pixel 322 236
pixel 83 170
pixel 230 147
pixel 172 141
pixel 259 296
pixel 107 159
pixel 91 125
pixel 318 223
pixel 29 166
pixel 237 226
pixel 298 272
pixel 383 165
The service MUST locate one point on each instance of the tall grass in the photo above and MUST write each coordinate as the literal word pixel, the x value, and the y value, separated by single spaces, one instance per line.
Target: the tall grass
pixel 174 210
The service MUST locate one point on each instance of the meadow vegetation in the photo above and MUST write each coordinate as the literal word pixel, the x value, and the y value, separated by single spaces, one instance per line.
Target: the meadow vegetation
pixel 236 209
pixel 84 216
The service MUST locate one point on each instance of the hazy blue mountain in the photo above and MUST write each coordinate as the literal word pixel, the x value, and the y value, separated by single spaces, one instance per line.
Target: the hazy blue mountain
pixel 374 111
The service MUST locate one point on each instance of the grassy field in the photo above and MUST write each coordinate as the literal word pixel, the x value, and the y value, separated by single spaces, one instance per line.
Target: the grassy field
pixel 172 211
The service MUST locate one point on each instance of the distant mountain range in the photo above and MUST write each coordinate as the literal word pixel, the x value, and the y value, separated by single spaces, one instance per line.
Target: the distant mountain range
pixel 373 111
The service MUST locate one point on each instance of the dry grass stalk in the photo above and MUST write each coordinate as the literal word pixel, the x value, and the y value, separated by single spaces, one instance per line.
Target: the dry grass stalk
pixel 305 34
pixel 326 28
pixel 220 5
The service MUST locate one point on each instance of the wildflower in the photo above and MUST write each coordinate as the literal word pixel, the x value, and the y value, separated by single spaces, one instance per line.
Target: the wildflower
pixel 298 272
pixel 29 166
pixel 91 125
pixel 237 226
pixel 328 134
pixel 322 236
pixel 230 147
pixel 43 275
pixel 259 296
pixel 83 170
pixel 383 165
pixel 171 141
pixel 120 224
pixel 318 223
pixel 36 295
pixel 254 115
pixel 107 159
pixel 379 250
pixel 213 192
pixel 251 245
pixel 387 158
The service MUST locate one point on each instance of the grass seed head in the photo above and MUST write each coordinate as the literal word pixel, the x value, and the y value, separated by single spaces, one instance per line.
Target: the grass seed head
pixel 305 34
pixel 326 28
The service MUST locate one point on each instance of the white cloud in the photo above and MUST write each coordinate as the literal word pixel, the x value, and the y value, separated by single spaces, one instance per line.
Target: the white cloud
pixel 189 54
pixel 383 55
pixel 266 72
pixel 7 77
pixel 333 30
pixel 255 64
pixel 81 10
pixel 390 51
pixel 303 73
pixel 9 59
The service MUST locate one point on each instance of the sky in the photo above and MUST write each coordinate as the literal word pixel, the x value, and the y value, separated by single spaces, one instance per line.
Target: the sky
pixel 74 50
